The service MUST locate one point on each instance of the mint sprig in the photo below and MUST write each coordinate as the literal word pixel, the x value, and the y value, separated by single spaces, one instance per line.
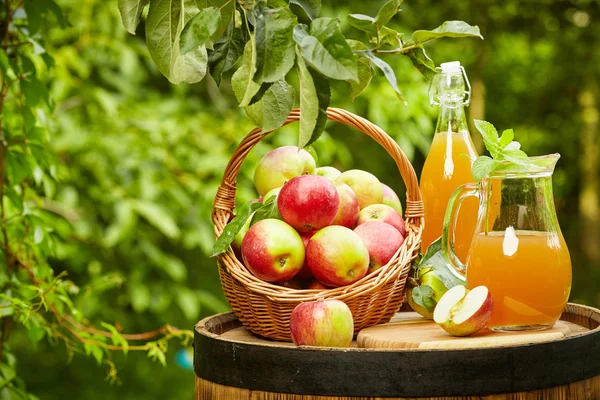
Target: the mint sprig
pixel 502 148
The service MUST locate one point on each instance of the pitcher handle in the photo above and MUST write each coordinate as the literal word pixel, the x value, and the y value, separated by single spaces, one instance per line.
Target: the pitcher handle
pixel 459 195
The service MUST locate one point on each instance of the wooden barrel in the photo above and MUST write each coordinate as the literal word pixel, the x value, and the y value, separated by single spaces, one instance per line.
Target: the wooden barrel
pixel 232 363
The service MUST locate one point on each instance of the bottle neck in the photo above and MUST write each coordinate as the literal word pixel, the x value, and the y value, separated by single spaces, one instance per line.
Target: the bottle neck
pixel 452 118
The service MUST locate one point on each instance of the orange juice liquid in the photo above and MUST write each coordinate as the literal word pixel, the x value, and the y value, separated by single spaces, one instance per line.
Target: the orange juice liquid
pixel 530 280
pixel 446 169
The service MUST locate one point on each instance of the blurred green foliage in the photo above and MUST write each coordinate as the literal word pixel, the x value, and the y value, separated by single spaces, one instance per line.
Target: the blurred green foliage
pixel 139 161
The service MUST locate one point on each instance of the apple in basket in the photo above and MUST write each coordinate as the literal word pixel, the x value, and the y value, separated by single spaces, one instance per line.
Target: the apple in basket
pixel 308 202
pixel 390 198
pixel 327 323
pixel 462 312
pixel 337 256
pixel 367 187
pixel 330 173
pixel 281 165
pixel 383 213
pixel 382 241
pixel 273 251
pixel 349 208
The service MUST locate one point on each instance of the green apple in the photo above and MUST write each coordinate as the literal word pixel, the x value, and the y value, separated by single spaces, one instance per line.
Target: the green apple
pixel 328 172
pixel 427 277
pixel 365 185
pixel 280 165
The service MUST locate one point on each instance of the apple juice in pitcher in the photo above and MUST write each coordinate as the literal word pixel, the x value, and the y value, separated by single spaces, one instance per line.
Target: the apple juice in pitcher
pixel 448 164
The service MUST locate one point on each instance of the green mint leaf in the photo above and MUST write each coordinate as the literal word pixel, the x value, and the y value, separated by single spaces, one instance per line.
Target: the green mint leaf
pixel 365 69
pixel 388 72
pixel 242 83
pixel 421 60
pixel 309 103
pixel 227 51
pixel 513 146
pixel 482 167
pixel 323 98
pixel 232 228
pixel 273 109
pixel 325 49
pixel 454 29
pixel 166 19
pixel 268 210
pixel 199 30
pixel 311 7
pixel 273 30
pixel 517 157
pixel 131 13
pixel 506 138
pixel 423 296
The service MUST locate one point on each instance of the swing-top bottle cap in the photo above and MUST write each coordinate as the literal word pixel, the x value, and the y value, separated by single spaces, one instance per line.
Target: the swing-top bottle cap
pixel 450 67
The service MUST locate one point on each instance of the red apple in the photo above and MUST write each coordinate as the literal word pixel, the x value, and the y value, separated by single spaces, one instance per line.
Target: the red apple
pixel 308 202
pixel 337 256
pixel 328 172
pixel 281 165
pixel 293 283
pixel 367 187
pixel 390 198
pixel 305 271
pixel 462 312
pixel 315 284
pixel 382 241
pixel 273 251
pixel 383 213
pixel 349 208
pixel 326 323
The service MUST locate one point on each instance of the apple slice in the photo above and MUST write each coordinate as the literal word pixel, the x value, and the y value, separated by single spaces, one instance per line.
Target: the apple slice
pixel 462 312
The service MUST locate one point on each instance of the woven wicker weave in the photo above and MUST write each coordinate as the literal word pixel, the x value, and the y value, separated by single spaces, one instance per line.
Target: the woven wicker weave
pixel 265 308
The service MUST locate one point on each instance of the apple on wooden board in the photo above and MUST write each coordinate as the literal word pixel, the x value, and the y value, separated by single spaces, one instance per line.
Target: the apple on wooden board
pixel 382 241
pixel 390 198
pixel 281 165
pixel 326 323
pixel 383 213
pixel 308 202
pixel 337 256
pixel 273 251
pixel 462 312
pixel 330 173
pixel 348 210
pixel 367 187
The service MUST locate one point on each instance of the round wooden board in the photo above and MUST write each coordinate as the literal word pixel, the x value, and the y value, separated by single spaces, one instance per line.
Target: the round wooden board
pixel 228 355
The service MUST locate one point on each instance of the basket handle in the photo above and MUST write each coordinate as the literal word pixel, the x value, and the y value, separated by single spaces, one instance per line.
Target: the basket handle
pixel 225 198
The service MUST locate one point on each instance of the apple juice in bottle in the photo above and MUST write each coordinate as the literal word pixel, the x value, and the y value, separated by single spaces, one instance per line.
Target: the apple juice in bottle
pixel 446 168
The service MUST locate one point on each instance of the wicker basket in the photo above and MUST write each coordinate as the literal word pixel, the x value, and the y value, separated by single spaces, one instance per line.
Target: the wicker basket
pixel 265 308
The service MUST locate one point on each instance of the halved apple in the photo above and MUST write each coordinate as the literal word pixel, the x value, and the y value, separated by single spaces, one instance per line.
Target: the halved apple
pixel 462 312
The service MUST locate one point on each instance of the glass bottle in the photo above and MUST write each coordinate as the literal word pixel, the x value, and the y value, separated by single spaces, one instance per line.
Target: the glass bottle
pixel 448 164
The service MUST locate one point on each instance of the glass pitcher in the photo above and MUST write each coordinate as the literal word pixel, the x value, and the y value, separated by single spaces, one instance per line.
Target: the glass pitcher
pixel 518 250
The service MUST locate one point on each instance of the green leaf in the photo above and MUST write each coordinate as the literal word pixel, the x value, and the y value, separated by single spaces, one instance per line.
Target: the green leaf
pixel 116 338
pixel 386 12
pixel 421 60
pixel 261 92
pixel 364 23
pixel 227 51
pixel 273 109
pixel 434 258
pixel 166 19
pixel 388 72
pixel 390 37
pixel 95 351
pixel 482 167
pixel 232 228
pixel 273 31
pixel 455 29
pixel 309 104
pixel 242 83
pixel 506 138
pixel 156 215
pixel 17 167
pixel 268 210
pixel 323 98
pixel 311 7
pixel 423 296
pixel 374 26
pixel 365 69
pixel 490 137
pixel 131 13
pixel 227 9
pixel 199 30
pixel 326 50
